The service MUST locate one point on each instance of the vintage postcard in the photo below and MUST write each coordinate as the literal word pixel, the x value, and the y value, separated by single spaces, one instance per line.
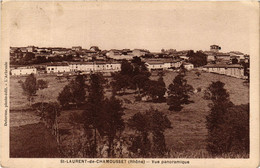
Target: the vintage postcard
pixel 129 84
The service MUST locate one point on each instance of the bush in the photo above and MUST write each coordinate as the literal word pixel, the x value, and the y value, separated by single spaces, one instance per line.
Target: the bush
pixel 42 84
pixel 199 89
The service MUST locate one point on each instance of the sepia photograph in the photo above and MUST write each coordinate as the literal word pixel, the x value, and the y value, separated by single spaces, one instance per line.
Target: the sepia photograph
pixel 130 82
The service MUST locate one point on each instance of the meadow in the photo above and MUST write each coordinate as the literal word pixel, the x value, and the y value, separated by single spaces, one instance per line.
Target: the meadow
pixel 186 139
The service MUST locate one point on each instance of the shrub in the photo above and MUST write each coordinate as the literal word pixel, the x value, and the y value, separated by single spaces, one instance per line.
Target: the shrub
pixel 42 84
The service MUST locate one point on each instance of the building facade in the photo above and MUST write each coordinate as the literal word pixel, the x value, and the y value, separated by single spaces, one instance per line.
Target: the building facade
pixel 234 70
pixel 57 68
pixel 23 71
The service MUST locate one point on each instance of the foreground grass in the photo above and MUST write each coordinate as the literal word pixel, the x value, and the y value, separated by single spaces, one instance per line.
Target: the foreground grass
pixel 32 141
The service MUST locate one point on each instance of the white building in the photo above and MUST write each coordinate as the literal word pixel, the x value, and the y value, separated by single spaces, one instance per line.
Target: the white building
pixel 162 64
pixel 58 68
pixel 119 55
pixel 234 70
pixel 95 66
pixel 23 71
pixel 188 66
pixel 82 66
pixel 107 66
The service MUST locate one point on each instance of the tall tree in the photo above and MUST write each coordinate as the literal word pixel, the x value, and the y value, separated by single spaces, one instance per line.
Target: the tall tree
pixel 155 89
pixel 178 93
pixel 93 117
pixel 141 144
pixel 126 68
pixel 149 125
pixel 30 87
pixel 139 82
pixel 78 90
pixel 65 96
pixel 113 123
pixel 120 82
pixel 219 107
pixel 158 124
pixel 236 129
pixel 162 88
pixel 52 112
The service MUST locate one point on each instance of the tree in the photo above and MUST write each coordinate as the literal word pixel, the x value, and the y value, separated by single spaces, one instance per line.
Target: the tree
pixel 132 75
pixel 113 123
pixel 219 107
pixel 78 90
pixel 183 70
pixel 139 82
pixel 65 96
pixel 178 93
pixel 151 124
pixel 141 144
pixel 74 92
pixel 93 117
pixel 139 65
pixel 30 87
pixel 120 82
pixel 158 124
pixel 198 58
pixel 161 87
pixel 52 112
pixel 42 84
pixel 236 129
pixel 155 89
pixel 27 59
pixel 126 68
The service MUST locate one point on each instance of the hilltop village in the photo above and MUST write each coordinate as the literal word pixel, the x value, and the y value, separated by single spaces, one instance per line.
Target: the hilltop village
pixel 77 60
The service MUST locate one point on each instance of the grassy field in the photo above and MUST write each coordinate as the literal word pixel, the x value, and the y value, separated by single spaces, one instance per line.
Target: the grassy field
pixel 185 139
pixel 32 140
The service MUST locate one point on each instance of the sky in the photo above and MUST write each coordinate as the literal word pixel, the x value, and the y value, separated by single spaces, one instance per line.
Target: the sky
pixel 151 26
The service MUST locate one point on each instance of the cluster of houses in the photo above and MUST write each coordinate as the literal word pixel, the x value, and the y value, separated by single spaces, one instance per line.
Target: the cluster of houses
pixel 110 61
pixel 214 55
